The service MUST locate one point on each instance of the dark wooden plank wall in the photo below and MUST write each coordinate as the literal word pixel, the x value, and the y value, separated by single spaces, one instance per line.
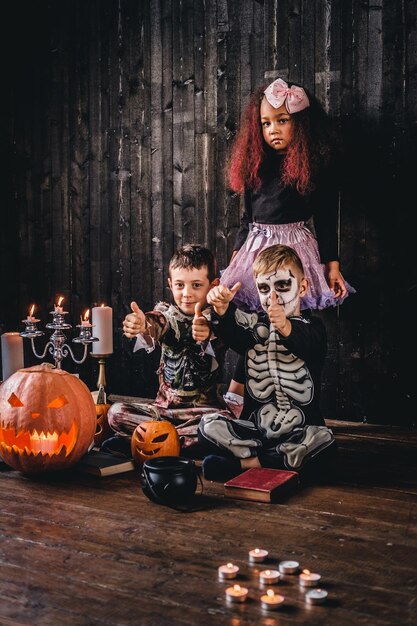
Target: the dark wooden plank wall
pixel 119 117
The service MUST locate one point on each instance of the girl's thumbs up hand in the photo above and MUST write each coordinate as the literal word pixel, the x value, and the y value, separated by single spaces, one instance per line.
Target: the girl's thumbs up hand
pixel 135 322
pixel 200 328
pixel 220 296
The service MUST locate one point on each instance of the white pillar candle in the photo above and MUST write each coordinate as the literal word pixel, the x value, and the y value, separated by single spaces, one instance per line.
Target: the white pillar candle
pixel 102 320
pixel 11 353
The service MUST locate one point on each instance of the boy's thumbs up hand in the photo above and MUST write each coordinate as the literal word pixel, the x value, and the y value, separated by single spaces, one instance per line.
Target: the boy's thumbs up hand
pixel 235 289
pixel 200 328
pixel 135 322
pixel 277 316
pixel 135 308
pixel 197 311
pixel 220 296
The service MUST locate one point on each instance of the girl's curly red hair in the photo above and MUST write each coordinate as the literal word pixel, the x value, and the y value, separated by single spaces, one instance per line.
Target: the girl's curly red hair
pixel 311 146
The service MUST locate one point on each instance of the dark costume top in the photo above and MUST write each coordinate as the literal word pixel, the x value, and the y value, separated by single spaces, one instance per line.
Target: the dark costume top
pixel 273 203
pixel 189 372
pixel 283 374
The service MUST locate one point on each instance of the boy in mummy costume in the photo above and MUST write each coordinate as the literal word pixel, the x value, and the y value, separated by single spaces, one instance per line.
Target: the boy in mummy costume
pixel 191 357
pixel 281 425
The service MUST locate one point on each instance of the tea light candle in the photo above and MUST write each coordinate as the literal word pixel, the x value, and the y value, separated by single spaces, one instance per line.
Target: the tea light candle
pixel 11 353
pixel 236 593
pixel 269 577
pixel 257 555
pixel 316 596
pixel 271 600
pixel 309 579
pixel 102 318
pixel 288 567
pixel 228 571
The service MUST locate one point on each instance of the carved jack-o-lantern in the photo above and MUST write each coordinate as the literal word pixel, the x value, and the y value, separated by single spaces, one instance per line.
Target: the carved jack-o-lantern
pixel 103 430
pixel 47 419
pixel 154 438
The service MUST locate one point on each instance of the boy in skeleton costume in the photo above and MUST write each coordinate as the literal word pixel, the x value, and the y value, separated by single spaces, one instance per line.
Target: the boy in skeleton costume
pixel 281 425
pixel 191 357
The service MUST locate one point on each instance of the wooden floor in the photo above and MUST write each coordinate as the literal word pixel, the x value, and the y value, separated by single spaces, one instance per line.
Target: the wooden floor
pixel 78 550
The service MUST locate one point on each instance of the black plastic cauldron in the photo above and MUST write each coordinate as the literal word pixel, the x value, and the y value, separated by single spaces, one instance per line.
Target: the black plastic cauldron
pixel 169 480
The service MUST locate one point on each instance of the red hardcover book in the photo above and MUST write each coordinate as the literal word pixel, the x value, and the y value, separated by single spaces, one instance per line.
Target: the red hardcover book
pixel 262 484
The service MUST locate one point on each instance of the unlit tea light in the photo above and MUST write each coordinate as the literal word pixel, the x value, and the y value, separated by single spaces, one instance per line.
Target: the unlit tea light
pixel 309 579
pixel 316 596
pixel 228 571
pixel 272 601
pixel 269 577
pixel 257 555
pixel 289 567
pixel 236 593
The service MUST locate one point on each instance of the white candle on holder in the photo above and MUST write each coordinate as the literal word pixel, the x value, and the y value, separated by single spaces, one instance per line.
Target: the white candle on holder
pixel 102 319
pixel 30 317
pixel 57 307
pixel 86 322
pixel 11 353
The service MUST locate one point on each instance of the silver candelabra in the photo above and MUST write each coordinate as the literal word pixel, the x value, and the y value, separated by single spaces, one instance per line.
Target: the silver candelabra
pixel 56 344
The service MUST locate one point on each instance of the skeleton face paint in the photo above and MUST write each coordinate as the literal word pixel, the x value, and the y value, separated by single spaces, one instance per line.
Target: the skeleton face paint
pixel 285 285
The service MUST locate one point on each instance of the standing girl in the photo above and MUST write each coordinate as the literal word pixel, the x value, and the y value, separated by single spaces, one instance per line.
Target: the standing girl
pixel 284 163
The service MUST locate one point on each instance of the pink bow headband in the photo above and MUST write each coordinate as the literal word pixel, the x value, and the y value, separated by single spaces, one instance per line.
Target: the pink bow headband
pixel 294 98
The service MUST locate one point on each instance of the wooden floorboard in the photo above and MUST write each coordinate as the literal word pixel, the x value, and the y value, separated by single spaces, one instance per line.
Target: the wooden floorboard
pixel 78 550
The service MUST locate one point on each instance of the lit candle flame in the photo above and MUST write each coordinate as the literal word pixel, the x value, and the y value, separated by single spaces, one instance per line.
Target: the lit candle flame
pixel 86 315
pixel 270 593
pixel 236 587
pixel 31 310
pixel 60 299
pixel 256 550
pixel 306 572
pixel 102 306
pixel 230 565
pixel 267 572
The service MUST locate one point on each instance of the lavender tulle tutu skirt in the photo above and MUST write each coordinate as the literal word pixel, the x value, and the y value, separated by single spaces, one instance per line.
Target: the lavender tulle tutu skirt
pixel 296 236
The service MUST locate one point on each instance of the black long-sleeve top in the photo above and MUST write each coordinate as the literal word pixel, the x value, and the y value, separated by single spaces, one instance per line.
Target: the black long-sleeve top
pixel 250 334
pixel 274 203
